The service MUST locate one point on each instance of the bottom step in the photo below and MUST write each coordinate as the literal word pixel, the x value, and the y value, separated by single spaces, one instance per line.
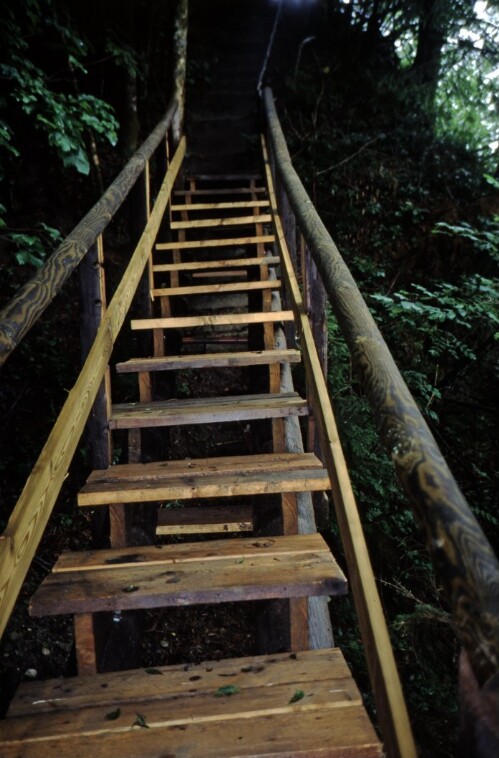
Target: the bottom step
pixel 298 704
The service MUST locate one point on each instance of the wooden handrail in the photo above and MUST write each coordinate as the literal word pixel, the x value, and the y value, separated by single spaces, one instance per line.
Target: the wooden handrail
pixel 24 530
pixel 23 311
pixel 464 562
pixel 390 702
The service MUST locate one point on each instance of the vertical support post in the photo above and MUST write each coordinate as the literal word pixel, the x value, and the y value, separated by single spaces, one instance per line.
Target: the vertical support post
pixel 92 309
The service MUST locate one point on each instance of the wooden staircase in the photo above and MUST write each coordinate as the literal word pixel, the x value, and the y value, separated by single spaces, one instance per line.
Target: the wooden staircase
pixel 296 702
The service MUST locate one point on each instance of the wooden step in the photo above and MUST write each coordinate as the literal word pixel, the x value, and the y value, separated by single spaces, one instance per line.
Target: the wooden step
pixel 205 223
pixel 210 519
pixel 209 360
pixel 220 264
pixel 222 191
pixel 206 410
pixel 221 206
pixel 215 289
pixel 185 712
pixel 219 319
pixel 205 478
pixel 229 242
pixel 215 571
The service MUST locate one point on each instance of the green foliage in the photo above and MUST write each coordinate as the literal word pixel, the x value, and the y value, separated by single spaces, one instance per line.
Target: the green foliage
pixel 50 100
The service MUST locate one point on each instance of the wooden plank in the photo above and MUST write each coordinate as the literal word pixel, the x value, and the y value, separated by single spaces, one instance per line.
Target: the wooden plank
pixel 205 520
pixel 229 242
pixel 189 487
pixel 215 289
pixel 219 191
pixel 209 360
pixel 268 462
pixel 248 177
pixel 189 708
pixel 137 685
pixel 86 658
pixel 219 319
pixel 30 516
pixel 206 410
pixel 206 223
pixel 225 263
pixel 325 733
pixel 217 580
pixel 221 206
pixel 160 555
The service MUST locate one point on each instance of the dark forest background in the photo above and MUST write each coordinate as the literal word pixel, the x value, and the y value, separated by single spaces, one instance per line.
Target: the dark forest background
pixel 390 109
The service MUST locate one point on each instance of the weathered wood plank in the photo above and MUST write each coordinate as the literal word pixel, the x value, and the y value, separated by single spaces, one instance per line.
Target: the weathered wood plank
pixel 220 191
pixel 137 685
pixel 205 520
pixel 232 242
pixel 219 319
pixel 215 289
pixel 221 206
pixel 207 223
pixel 209 360
pixel 190 487
pixel 28 520
pixel 205 410
pixel 215 580
pixel 327 733
pixel 225 263
pixel 201 466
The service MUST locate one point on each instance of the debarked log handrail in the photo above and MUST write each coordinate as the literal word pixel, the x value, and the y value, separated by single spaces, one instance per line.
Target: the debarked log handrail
pixel 26 307
pixel 25 527
pixel 464 562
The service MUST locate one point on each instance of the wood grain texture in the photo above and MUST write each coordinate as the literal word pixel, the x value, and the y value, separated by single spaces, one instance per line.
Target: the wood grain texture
pixel 211 519
pixel 391 708
pixel 207 223
pixel 232 242
pixel 188 486
pixel 68 717
pixel 255 570
pixel 464 561
pixel 225 263
pixel 215 289
pixel 218 319
pixel 25 527
pixel 205 410
pixel 24 310
pixel 209 360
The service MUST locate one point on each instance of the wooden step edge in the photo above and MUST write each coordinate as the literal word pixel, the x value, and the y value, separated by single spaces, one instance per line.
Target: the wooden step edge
pixel 166 554
pixel 229 242
pixel 221 205
pixel 206 360
pixel 198 266
pixel 226 319
pixel 205 223
pixel 204 520
pixel 184 413
pixel 208 486
pixel 215 289
pixel 222 191
pixel 222 579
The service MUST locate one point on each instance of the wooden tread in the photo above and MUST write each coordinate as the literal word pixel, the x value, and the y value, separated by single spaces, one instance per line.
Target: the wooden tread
pixel 229 242
pixel 222 191
pixel 205 478
pixel 206 223
pixel 206 519
pixel 209 360
pixel 221 206
pixel 218 319
pixel 215 289
pixel 225 263
pixel 187 715
pixel 206 410
pixel 217 571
